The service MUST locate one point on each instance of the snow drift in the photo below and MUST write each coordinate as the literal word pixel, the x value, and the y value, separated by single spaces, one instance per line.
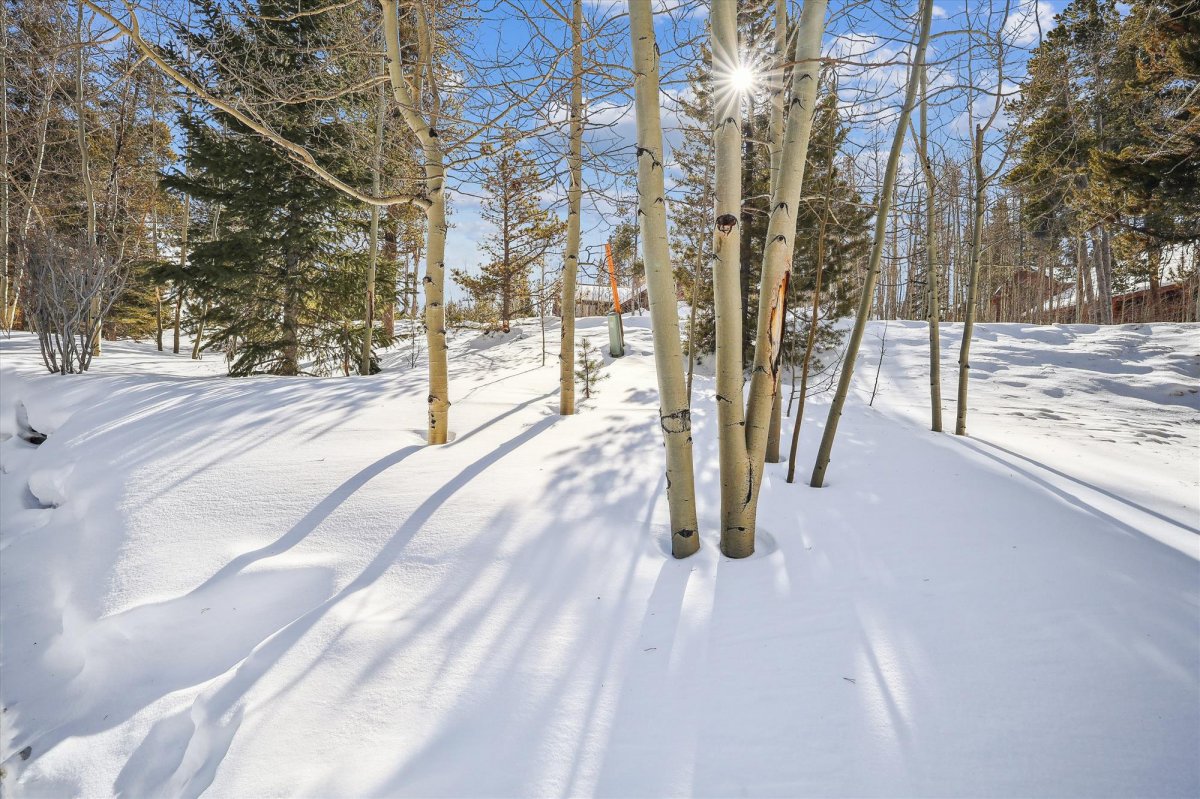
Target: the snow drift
pixel 270 587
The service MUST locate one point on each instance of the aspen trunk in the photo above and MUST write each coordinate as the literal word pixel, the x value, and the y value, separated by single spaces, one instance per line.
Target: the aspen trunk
pixel 1080 271
pixel 10 313
pixel 776 148
pixel 85 173
pixel 158 305
pixel 738 525
pixel 4 178
pixel 178 320
pixel 964 349
pixel 388 253
pixel 933 311
pixel 364 366
pixel 691 351
pixel 435 247
pixel 812 336
pixel 183 256
pixel 158 321
pixel 881 217
pixel 196 345
pixel 818 279
pixel 776 120
pixel 566 350
pixel 773 431
pixel 697 272
pixel 727 280
pixel 674 411
pixel 435 310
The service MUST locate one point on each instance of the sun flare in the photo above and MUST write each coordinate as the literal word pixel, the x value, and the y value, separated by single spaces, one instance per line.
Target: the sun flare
pixel 742 79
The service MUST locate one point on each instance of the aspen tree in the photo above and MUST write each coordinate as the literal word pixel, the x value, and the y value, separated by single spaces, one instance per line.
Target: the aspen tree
pixel 4 179
pixel 881 218
pixel 364 366
pixel 48 91
pixel 85 172
pixel 982 180
pixel 819 273
pixel 743 455
pixel 964 351
pixel 197 344
pixel 674 411
pixel 423 128
pixel 933 311
pixel 566 353
pixel 158 304
pixel 778 102
pixel 727 270
pixel 177 322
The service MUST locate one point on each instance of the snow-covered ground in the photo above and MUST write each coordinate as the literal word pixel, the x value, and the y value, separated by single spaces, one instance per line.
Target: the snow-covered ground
pixel 269 587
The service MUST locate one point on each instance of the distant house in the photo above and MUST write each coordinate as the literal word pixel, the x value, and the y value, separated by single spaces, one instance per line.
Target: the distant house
pixel 1156 304
pixel 595 299
pixel 1029 296
pixel 1022 292
pixel 1173 302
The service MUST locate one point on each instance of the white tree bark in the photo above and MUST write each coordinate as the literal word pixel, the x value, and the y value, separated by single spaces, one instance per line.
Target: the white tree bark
pixel 727 270
pixel 4 178
pixel 881 218
pixel 778 98
pixel 815 308
pixel 979 205
pixel 566 352
pixel 85 171
pixel 435 212
pixel 674 410
pixel 738 523
pixel 933 312
pixel 982 180
pixel 364 366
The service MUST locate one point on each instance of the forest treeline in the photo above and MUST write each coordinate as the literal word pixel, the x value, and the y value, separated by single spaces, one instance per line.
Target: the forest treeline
pixel 276 183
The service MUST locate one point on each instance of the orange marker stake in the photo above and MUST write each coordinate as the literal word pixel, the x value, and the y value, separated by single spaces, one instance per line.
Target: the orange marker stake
pixel 612 276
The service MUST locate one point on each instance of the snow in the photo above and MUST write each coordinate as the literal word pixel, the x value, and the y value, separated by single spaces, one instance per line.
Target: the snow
pixel 270 587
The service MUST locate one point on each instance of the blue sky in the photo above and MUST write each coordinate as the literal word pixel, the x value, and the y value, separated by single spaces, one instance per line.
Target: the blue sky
pixel 872 38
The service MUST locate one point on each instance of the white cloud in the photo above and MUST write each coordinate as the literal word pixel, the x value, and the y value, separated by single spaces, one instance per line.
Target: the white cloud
pixel 1030 21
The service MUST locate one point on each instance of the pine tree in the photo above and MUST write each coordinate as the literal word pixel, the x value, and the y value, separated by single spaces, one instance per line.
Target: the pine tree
pixel 273 263
pixel 630 269
pixel 1153 170
pixel 588 364
pixel 692 213
pixel 526 232
pixel 1066 113
pixel 847 232
pixel 830 194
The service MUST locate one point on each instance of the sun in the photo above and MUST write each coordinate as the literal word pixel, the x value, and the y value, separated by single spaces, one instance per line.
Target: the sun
pixel 742 78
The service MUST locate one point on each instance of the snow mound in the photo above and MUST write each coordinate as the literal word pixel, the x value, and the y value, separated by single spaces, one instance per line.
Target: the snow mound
pixel 494 338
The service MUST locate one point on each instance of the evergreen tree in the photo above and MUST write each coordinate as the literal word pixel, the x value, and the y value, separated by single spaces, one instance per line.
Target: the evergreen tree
pixel 525 231
pixel 630 269
pixel 1153 172
pixel 1108 139
pixel 1061 110
pixel 827 189
pixel 588 363
pixel 275 263
pixel 831 196
pixel 692 213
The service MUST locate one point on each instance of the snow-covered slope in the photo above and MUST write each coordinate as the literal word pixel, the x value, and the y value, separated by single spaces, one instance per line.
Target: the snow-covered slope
pixel 268 587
